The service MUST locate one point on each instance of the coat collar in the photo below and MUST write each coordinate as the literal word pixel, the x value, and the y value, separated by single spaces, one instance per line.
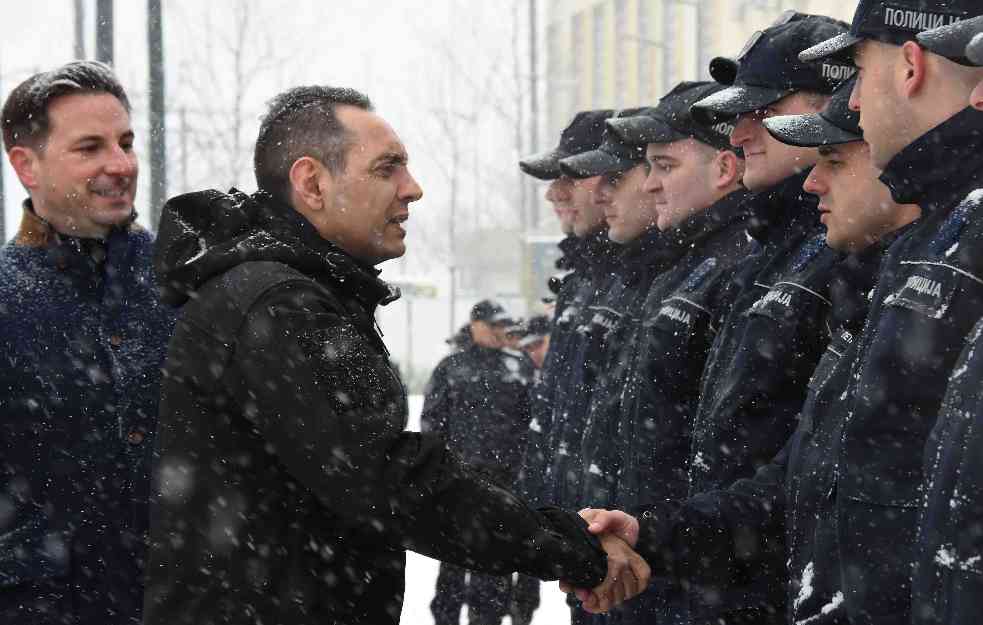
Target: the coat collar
pixel 66 251
pixel 933 169
pixel 784 212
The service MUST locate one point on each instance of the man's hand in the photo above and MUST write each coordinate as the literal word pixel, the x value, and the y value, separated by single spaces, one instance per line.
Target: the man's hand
pixel 622 525
pixel 628 573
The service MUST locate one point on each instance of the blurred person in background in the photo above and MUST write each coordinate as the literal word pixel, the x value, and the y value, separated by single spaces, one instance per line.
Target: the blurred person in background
pixel 478 399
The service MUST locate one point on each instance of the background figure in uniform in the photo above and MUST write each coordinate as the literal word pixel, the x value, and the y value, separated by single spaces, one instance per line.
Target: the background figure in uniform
pixel 535 341
pixel 477 399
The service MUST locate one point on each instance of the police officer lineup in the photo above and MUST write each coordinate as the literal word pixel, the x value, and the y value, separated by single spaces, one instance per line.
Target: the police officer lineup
pixel 756 399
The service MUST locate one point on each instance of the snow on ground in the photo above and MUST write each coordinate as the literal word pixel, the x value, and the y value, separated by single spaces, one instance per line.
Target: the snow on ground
pixel 421 576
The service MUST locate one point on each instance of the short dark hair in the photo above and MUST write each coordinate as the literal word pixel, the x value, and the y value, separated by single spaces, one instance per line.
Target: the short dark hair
pixel 25 119
pixel 302 122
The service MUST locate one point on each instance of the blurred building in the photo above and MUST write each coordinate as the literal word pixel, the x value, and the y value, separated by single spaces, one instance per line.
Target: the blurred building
pixel 621 53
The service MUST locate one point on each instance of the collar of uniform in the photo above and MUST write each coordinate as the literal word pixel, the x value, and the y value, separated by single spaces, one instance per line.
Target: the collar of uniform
pixel 782 211
pixel 931 170
pixel 572 249
pixel 600 252
pixel 721 214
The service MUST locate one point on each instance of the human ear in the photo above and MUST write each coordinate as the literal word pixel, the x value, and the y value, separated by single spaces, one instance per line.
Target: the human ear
pixel 308 182
pixel 24 161
pixel 726 168
pixel 911 68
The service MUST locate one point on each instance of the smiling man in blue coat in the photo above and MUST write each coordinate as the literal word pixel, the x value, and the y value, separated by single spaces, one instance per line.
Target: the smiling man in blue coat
pixel 83 338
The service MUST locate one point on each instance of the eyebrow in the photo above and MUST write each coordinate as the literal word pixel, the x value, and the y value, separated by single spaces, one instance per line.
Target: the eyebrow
pixel 391 158
pixel 98 138
pixel 662 157
pixel 828 150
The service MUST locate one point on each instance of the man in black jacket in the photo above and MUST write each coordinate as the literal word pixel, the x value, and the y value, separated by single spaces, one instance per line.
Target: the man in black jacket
pixel 796 493
pixel 477 399
pixel 288 488
pixel 755 376
pixel 636 444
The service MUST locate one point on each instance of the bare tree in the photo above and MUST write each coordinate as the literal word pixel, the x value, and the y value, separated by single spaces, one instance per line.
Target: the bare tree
pixel 217 97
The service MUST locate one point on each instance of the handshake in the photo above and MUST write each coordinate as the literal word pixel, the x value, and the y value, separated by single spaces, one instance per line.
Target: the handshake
pixel 628 574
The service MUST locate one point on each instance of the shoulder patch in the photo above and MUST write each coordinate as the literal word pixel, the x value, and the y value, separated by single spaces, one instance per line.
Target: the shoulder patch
pixel 700 274
pixel 950 230
pixel 808 252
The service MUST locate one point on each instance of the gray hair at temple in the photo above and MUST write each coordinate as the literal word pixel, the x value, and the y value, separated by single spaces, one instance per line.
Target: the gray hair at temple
pixel 302 122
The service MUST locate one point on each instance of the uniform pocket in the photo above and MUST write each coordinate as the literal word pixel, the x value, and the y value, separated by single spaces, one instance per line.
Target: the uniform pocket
pixel 877 550
pixel 842 343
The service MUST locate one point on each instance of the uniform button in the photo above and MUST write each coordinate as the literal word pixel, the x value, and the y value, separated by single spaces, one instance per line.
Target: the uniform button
pixel 134 438
pixel 116 340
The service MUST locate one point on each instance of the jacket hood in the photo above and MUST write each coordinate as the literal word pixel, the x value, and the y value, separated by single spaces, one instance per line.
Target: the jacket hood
pixel 206 233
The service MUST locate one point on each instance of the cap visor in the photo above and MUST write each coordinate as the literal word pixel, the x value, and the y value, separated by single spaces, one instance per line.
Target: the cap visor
pixel 839 46
pixel 974 51
pixel 595 163
pixel 545 166
pixel 807 131
pixel 644 129
pixel 952 40
pixel 734 101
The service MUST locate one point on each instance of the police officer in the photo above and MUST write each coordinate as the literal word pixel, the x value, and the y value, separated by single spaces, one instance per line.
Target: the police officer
pixel 636 446
pixel 913 108
pixel 947 580
pixel 797 491
pixel 580 288
pixel 477 399
pixel 756 374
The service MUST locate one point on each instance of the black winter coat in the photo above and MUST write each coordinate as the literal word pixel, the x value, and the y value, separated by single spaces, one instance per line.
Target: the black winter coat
pixel 288 488
pixel 755 377
pixel 554 404
pixel 83 336
pixel 948 582
pixel 935 298
pixel 636 445
pixel 478 401
pixel 605 325
pixel 710 536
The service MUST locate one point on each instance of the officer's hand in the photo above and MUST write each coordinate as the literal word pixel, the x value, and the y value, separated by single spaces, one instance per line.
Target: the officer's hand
pixel 628 575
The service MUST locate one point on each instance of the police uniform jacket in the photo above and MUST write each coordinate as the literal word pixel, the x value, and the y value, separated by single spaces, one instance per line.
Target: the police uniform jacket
pixel 934 300
pixel 555 405
pixel 600 331
pixel 636 445
pixel 715 536
pixel 755 377
pixel 478 400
